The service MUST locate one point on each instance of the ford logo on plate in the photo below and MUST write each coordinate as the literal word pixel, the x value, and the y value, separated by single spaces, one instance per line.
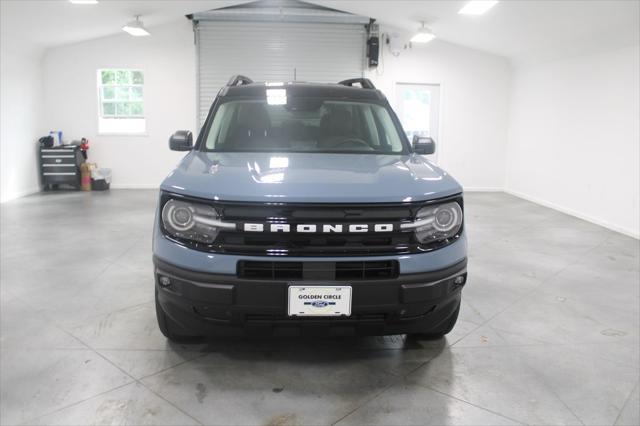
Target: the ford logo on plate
pixel 319 304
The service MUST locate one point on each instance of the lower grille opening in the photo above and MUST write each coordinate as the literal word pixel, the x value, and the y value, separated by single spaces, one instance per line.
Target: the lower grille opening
pixel 339 271
pixel 270 270
pixel 366 270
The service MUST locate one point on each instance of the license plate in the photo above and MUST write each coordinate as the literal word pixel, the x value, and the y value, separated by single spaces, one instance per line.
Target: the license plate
pixel 324 301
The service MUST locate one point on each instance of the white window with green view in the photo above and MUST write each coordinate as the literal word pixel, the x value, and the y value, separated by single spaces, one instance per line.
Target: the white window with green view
pixel 121 94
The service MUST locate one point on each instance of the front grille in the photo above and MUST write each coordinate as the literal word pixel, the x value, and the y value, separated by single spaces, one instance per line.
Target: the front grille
pixel 332 271
pixel 318 244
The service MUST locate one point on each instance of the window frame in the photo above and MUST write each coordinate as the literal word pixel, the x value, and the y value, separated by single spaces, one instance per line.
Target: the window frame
pixel 136 125
pixel 436 116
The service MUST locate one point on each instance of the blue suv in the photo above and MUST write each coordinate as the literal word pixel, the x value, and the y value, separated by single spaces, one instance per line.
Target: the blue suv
pixel 303 209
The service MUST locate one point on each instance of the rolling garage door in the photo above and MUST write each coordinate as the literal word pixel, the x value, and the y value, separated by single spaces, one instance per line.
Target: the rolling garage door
pixel 275 51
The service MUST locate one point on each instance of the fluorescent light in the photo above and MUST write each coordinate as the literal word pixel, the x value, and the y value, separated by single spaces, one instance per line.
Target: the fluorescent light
pixel 135 31
pixel 424 35
pixel 477 7
pixel 83 1
pixel 136 28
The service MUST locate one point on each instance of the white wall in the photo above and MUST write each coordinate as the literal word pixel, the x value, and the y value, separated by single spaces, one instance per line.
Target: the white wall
pixel 20 118
pixel 168 61
pixel 474 116
pixel 575 136
pixel 475 106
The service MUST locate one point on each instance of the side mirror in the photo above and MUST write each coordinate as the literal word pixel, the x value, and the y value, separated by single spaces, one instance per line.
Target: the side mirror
pixel 182 140
pixel 423 145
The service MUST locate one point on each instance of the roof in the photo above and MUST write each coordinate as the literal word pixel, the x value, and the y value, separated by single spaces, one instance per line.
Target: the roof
pixel 302 89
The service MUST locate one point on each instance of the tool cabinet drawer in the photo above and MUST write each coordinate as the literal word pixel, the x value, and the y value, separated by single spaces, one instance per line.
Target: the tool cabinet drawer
pixel 52 160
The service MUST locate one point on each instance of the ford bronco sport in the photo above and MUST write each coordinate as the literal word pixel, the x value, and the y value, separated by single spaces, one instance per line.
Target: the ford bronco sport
pixel 303 209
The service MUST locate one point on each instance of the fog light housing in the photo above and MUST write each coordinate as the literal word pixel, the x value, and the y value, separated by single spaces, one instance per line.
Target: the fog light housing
pixel 459 280
pixel 164 281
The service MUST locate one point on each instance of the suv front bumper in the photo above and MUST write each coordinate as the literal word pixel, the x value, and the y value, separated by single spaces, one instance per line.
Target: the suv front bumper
pixel 222 304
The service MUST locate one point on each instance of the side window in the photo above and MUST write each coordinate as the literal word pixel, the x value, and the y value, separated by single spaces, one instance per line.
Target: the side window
pixel 121 101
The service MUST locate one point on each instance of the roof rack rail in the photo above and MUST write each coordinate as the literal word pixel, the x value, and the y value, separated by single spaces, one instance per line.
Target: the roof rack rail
pixel 239 80
pixel 365 83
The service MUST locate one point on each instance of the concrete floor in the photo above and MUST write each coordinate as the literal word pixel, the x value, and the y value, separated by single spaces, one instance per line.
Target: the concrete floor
pixel 549 332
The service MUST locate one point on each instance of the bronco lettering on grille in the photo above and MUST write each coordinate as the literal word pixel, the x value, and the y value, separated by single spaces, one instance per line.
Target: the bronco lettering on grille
pixel 315 228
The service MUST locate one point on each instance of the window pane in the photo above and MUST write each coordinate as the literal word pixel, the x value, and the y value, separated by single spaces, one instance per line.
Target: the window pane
pixel 136 93
pixel 136 109
pixel 123 77
pixel 416 111
pixel 108 108
pixel 390 133
pixel 304 124
pixel 137 77
pixel 108 77
pixel 122 93
pixel 123 109
pixel 121 100
pixel 108 93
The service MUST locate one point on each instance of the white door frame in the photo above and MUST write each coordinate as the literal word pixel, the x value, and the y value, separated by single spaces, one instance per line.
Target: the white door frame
pixel 438 138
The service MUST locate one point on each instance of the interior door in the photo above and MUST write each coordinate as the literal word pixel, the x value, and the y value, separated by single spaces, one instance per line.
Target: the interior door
pixel 418 108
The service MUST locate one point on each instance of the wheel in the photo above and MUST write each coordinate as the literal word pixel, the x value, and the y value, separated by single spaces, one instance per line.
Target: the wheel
pixel 447 326
pixel 172 330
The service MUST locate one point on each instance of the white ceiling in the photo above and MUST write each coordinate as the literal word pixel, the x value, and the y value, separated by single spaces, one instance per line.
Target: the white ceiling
pixel 55 22
pixel 521 30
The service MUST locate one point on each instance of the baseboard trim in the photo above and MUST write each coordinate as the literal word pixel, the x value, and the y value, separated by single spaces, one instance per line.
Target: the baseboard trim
pixel 622 230
pixel 483 189
pixel 134 186
pixel 20 194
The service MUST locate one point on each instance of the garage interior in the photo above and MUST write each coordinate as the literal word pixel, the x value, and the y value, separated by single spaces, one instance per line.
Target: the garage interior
pixel 535 109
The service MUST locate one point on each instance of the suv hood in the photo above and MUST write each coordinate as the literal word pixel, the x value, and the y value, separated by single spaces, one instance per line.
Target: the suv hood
pixel 309 177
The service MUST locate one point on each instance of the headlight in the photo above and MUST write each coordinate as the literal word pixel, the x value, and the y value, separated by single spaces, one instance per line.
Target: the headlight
pixel 438 222
pixel 190 221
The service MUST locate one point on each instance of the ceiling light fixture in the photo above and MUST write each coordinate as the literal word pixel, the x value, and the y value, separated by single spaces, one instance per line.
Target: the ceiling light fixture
pixel 136 28
pixel 477 7
pixel 424 35
pixel 83 1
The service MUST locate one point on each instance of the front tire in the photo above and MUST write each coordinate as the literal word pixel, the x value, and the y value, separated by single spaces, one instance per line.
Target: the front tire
pixel 171 329
pixel 445 328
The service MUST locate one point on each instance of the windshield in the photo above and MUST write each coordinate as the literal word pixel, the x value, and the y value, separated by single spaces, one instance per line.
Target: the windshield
pixel 303 125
